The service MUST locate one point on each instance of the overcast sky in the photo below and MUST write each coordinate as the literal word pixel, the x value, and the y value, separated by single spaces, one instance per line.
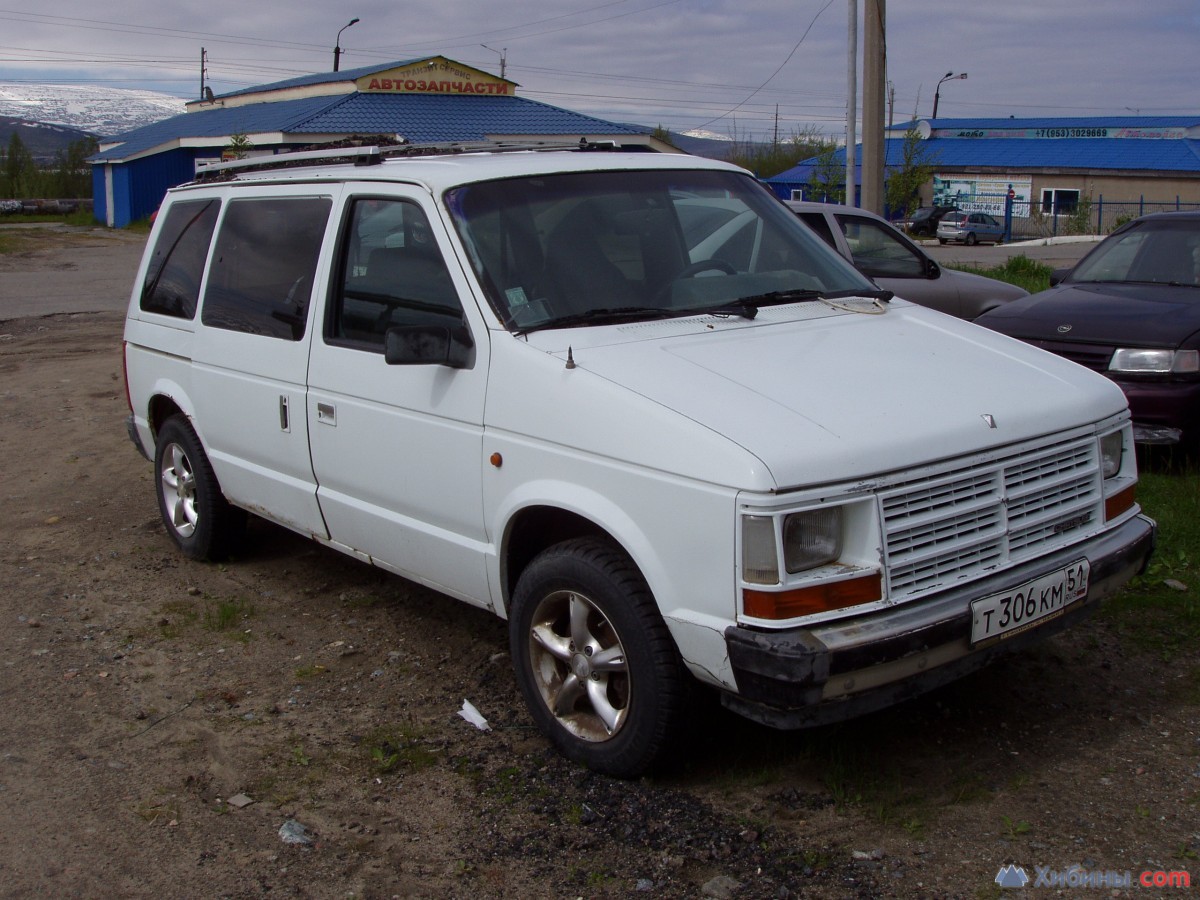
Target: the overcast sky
pixel 723 65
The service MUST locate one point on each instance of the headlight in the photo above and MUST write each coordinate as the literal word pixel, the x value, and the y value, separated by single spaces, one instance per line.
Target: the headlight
pixel 1112 447
pixel 1134 360
pixel 812 538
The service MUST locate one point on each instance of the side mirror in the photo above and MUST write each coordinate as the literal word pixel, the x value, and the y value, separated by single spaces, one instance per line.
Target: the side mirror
pixel 932 269
pixel 429 345
pixel 1058 276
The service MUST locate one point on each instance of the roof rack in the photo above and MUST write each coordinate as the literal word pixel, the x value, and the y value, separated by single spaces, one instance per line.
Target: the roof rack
pixel 356 152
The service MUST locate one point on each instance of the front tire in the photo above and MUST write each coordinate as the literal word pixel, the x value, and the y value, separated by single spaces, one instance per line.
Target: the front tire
pixel 595 662
pixel 196 514
pixel 970 240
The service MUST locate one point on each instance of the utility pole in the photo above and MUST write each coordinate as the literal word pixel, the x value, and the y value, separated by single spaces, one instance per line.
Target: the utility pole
pixel 852 108
pixel 874 74
pixel 203 70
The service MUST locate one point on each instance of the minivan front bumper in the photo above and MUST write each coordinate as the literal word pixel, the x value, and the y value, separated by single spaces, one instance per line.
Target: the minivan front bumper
pixel 812 676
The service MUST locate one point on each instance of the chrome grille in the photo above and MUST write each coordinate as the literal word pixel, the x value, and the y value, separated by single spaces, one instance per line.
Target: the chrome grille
pixel 956 524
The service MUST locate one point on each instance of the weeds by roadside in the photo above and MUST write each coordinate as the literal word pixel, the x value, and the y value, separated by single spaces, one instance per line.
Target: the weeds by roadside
pixel 1022 271
pixel 1160 611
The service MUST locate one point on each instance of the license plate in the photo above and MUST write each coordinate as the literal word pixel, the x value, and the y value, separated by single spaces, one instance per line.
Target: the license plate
pixel 1005 614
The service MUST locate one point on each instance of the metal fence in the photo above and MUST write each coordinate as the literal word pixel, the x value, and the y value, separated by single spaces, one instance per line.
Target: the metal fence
pixel 1032 219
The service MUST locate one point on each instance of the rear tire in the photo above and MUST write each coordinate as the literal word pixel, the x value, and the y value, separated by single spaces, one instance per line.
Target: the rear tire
pixel 195 513
pixel 970 240
pixel 595 662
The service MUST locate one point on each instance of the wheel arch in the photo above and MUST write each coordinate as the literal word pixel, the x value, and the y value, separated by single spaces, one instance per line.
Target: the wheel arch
pixel 160 408
pixel 534 526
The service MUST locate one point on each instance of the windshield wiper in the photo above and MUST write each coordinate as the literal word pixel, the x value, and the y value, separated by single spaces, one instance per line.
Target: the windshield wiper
pixel 604 314
pixel 773 297
pixel 746 307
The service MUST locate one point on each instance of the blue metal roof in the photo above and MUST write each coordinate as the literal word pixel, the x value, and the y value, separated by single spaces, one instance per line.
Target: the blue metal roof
pixel 424 118
pixel 1121 121
pixel 324 78
pixel 216 122
pixel 1128 154
pixel 421 118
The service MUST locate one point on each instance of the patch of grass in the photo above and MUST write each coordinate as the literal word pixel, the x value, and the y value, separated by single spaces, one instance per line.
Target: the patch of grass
pixel 399 747
pixel 598 879
pixel 1019 781
pixel 177 615
pixel 1160 610
pixel 18 240
pixel 858 776
pixel 1015 828
pixel 155 812
pixel 969 789
pixel 224 615
pixel 915 827
pixel 363 601
pixel 1020 270
pixel 310 671
pixel 505 786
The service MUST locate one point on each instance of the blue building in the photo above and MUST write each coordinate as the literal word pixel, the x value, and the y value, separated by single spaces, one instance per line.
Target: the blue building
pixel 1132 164
pixel 428 100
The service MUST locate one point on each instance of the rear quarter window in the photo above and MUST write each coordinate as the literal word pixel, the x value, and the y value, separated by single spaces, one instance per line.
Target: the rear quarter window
pixel 172 285
pixel 261 276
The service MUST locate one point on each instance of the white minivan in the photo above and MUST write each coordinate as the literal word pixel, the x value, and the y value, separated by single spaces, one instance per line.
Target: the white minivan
pixel 673 448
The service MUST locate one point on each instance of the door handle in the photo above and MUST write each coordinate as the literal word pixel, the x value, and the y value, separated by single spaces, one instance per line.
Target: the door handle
pixel 327 414
pixel 285 422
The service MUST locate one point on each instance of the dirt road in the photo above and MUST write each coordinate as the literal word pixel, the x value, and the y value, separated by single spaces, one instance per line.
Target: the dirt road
pixel 167 727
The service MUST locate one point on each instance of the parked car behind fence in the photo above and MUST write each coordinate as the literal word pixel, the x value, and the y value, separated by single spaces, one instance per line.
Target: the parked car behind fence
pixel 969 229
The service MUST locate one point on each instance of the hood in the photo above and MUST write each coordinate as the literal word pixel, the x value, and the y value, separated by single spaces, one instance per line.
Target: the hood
pixel 971 285
pixel 1118 314
pixel 848 395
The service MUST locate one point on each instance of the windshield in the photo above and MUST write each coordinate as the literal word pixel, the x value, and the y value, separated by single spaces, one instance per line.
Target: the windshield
pixel 1163 251
pixel 574 248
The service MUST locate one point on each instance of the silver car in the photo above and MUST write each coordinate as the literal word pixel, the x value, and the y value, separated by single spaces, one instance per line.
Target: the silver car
pixel 969 228
pixel 894 262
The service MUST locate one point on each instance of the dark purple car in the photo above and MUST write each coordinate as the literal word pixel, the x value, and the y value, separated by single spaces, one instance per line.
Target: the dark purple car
pixel 1130 309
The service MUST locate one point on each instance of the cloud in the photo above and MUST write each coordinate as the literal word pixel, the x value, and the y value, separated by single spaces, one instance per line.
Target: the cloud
pixel 673 62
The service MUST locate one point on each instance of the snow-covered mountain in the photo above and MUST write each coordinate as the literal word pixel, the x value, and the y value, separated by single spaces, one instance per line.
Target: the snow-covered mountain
pixel 95 109
pixel 707 135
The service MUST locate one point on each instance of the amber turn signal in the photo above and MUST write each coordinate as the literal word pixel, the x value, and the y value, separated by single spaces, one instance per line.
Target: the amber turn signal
pixel 1119 502
pixel 816 598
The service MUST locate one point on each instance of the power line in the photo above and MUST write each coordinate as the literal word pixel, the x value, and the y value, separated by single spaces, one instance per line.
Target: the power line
pixel 777 70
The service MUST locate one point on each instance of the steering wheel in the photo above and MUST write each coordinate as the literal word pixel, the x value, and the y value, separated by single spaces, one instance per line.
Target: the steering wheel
pixel 691 270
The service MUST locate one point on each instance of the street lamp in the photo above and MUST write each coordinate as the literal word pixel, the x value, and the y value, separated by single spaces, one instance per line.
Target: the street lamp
pixel 337 45
pixel 949 76
pixel 503 57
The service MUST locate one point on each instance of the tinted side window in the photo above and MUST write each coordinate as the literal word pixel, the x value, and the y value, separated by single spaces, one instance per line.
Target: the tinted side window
pixel 877 251
pixel 172 284
pixel 391 274
pixel 261 275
